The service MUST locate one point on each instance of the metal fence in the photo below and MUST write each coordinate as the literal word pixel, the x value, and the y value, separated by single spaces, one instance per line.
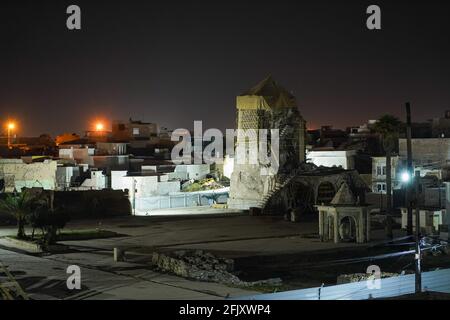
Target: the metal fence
pixel 438 281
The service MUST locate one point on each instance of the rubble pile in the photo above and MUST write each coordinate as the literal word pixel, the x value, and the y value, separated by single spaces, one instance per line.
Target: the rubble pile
pixel 357 277
pixel 203 266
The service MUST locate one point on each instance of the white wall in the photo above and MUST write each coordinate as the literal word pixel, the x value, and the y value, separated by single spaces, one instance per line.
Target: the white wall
pixel 119 181
pixel 65 175
pixel 96 182
pixel 146 186
pixel 80 155
pixel 18 174
pixel 228 166
pixel 344 159
pixel 194 171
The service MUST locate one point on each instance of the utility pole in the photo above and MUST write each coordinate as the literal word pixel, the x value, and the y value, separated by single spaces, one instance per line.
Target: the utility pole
pixel 409 217
pixel 418 270
pixel 9 137
pixel 132 193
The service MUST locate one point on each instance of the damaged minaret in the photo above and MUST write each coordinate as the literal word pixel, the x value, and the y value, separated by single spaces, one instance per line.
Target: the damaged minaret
pixel 265 106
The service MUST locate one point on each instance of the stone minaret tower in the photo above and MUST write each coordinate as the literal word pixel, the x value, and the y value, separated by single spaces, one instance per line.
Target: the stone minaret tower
pixel 266 106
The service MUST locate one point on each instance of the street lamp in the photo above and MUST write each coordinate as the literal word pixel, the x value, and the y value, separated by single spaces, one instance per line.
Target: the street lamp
pixel 99 126
pixel 405 177
pixel 10 126
pixel 417 256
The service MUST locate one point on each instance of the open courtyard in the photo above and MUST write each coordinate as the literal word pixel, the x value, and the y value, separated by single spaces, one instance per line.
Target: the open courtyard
pixel 262 247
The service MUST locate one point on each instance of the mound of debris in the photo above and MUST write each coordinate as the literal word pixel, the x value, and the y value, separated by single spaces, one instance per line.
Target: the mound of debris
pixel 201 185
pixel 203 266
pixel 357 277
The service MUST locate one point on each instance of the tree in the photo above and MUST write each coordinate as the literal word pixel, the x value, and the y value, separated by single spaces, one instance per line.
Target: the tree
pixel 49 221
pixel 388 127
pixel 19 205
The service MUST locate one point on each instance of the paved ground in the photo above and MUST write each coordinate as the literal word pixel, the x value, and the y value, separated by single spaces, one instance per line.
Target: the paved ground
pixel 45 278
pixel 229 235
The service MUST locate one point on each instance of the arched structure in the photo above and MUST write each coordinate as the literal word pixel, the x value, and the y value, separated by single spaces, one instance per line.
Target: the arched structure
pixel 310 186
pixel 344 219
pixel 325 192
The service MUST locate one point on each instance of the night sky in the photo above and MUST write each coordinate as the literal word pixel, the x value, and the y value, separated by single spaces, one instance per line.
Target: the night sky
pixel 176 62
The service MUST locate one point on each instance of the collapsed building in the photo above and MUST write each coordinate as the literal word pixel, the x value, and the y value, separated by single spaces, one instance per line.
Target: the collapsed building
pixel 297 186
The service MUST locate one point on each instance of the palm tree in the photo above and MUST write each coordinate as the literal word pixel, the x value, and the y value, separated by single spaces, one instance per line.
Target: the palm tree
pixel 388 127
pixel 19 205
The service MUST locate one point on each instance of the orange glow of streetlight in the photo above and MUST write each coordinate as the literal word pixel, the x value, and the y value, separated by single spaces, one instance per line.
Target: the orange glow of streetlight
pixel 11 126
pixel 99 126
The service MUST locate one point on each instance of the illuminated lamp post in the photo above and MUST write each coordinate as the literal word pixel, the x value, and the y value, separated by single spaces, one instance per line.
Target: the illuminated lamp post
pixel 99 127
pixel 10 126
pixel 406 178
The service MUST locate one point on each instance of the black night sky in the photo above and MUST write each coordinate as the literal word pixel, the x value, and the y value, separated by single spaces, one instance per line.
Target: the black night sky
pixel 176 62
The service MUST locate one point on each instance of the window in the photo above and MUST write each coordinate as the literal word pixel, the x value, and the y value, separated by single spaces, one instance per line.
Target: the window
pixel 381 170
pixel 381 187
pixel 135 131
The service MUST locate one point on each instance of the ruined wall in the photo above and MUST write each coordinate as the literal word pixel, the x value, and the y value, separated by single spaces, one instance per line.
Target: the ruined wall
pixel 18 174
pixel 305 190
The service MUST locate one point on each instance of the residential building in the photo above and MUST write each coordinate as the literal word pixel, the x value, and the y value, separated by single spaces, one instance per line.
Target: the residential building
pixel 431 153
pixel 111 148
pixel 379 174
pixel 134 130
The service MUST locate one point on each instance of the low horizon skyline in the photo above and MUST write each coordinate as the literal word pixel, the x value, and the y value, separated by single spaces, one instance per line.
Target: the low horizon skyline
pixel 176 63
pixel 107 124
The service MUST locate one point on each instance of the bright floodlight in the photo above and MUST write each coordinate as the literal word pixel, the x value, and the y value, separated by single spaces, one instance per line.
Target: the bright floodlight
pixel 11 125
pixel 99 126
pixel 405 176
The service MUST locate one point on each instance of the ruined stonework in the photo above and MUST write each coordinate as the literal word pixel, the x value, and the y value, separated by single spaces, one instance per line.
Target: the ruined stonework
pixel 307 186
pixel 204 266
pixel 18 174
pixel 266 106
pixel 344 219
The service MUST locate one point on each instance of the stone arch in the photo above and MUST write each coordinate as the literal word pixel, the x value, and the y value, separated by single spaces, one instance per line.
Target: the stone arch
pixel 348 229
pixel 330 225
pixel 325 192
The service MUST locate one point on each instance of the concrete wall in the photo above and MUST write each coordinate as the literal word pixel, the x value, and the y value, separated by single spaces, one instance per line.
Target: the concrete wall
pixel 80 155
pixel 194 171
pixel 434 197
pixel 427 151
pixel 118 182
pixel 119 162
pixel 110 148
pixel 146 186
pixel 167 187
pixel 18 174
pixel 97 181
pixel 228 166
pixel 65 176
pixel 429 220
